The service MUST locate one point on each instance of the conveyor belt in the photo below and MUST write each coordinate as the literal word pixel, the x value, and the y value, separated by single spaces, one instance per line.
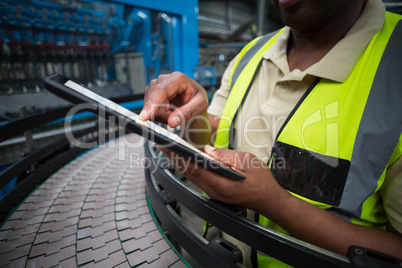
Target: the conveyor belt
pixel 92 212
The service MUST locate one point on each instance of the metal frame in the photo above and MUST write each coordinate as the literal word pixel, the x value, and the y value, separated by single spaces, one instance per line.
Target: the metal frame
pixel 197 246
pixel 282 247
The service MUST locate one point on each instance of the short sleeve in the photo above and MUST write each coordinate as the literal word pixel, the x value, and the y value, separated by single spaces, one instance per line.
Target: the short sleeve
pixel 391 192
pixel 221 95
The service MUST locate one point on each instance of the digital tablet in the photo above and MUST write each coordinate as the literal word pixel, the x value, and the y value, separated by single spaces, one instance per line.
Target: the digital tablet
pixel 77 94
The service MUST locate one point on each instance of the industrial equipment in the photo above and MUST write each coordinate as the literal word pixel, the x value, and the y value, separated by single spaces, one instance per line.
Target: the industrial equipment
pixel 113 47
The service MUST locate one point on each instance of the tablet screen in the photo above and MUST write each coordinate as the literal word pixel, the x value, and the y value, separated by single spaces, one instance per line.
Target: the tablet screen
pixel 133 116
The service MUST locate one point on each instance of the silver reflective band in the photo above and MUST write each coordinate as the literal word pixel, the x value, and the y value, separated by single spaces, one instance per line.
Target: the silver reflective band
pixel 249 55
pixel 379 129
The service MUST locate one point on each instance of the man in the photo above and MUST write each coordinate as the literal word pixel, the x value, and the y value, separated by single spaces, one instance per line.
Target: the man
pixel 318 95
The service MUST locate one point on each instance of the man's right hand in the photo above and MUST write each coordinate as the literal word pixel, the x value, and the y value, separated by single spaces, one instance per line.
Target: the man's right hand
pixel 173 99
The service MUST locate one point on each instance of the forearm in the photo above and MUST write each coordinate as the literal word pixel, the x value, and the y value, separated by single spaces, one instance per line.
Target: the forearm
pixel 319 227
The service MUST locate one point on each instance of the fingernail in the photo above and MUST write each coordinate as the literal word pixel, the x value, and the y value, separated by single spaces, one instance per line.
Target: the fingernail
pixel 176 120
pixel 235 169
pixel 142 115
pixel 209 148
pixel 140 118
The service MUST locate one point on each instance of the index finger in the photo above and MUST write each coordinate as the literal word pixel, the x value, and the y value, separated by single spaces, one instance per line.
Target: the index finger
pixel 176 85
pixel 164 88
pixel 151 104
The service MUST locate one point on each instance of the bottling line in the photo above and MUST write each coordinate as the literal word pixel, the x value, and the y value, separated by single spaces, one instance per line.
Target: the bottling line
pixel 113 47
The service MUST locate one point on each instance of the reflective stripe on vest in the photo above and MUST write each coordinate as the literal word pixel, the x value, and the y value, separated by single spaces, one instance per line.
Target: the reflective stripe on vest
pixel 368 128
pixel 241 79
pixel 379 130
pixel 247 55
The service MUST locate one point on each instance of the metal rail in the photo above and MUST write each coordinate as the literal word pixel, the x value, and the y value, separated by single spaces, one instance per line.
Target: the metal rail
pixel 15 128
pixel 282 247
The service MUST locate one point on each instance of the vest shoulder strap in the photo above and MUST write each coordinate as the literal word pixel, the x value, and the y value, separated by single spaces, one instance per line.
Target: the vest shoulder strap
pixel 240 81
pixel 247 55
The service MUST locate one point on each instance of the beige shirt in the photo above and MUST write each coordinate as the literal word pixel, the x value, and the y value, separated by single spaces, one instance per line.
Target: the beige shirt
pixel 276 91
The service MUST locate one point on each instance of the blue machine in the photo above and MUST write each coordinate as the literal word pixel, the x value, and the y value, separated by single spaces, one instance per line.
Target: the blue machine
pixel 166 32
pixel 110 46
pixel 82 38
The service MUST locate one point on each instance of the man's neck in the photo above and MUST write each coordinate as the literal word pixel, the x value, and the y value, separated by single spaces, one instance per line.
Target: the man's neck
pixel 307 48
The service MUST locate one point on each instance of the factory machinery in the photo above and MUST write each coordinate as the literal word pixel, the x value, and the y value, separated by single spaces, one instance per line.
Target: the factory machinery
pixel 113 47
pixel 118 201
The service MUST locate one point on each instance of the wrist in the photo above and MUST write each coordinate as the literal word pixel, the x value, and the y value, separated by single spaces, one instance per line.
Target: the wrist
pixel 278 204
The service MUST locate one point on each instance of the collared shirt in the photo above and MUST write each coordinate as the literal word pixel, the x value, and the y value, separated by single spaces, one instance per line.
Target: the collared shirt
pixel 276 90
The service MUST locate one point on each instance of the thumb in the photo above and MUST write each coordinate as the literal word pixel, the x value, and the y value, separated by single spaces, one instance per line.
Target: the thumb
pixel 227 156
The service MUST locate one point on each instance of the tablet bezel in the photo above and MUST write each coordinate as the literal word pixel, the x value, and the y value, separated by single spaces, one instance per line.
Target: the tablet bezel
pixel 56 85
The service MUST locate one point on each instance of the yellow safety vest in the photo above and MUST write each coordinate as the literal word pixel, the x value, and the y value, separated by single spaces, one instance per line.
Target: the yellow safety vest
pixel 338 142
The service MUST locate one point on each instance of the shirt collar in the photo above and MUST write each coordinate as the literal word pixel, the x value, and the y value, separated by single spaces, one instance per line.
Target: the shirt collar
pixel 338 63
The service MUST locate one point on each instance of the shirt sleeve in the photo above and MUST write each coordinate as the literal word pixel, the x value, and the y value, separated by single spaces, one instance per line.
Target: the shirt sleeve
pixel 221 95
pixel 391 192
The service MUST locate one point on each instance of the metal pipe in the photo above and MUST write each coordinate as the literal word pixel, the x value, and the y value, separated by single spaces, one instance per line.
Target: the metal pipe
pixel 230 16
pixel 28 134
pixel 261 17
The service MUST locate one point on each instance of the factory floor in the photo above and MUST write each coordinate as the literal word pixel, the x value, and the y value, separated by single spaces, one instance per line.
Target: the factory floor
pixel 92 212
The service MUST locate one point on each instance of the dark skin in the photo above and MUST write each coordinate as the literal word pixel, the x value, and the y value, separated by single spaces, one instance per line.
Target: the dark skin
pixel 316 26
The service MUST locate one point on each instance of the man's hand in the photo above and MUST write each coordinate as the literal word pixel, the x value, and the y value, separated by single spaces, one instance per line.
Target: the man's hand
pixel 259 191
pixel 173 99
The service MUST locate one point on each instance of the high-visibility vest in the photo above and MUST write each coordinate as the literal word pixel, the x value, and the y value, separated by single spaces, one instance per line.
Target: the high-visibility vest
pixel 335 147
